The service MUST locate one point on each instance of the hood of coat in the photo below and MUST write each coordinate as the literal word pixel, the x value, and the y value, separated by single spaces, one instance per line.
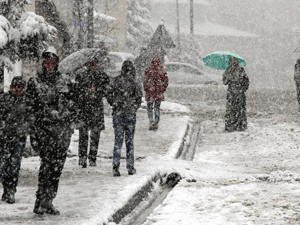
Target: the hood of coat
pixel 156 64
pixel 128 70
pixel 50 62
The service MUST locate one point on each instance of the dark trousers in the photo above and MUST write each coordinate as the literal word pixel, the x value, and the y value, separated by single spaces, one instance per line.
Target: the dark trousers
pixel 12 152
pixel 154 106
pixel 84 141
pixel 53 152
pixel 124 125
pixel 298 92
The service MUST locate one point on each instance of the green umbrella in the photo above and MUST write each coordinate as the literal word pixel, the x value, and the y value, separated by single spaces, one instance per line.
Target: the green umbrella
pixel 219 60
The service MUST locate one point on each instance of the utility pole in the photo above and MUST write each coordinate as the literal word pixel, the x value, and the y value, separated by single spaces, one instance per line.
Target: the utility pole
pixel 178 27
pixel 192 17
pixel 90 24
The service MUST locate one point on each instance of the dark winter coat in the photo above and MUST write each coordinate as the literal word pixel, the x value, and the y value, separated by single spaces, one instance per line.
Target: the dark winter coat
pixel 13 117
pixel 155 81
pixel 91 88
pixel 43 98
pixel 238 83
pixel 125 93
pixel 297 72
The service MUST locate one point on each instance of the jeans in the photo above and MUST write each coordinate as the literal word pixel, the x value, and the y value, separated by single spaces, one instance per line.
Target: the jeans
pixel 12 156
pixel 83 142
pixel 124 125
pixel 154 104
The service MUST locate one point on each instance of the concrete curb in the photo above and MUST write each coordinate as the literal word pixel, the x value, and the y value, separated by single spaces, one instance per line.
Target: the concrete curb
pixel 138 197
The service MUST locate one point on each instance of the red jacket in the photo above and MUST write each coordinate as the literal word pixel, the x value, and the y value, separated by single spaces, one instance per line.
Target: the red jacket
pixel 155 81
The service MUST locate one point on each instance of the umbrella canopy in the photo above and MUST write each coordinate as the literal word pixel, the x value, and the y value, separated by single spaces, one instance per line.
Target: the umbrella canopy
pixel 219 60
pixel 103 38
pixel 78 59
pixel 161 37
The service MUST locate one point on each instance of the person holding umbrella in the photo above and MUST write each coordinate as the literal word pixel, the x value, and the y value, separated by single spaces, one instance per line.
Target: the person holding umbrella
pixel 49 116
pixel 238 82
pixel 297 81
pixel 92 87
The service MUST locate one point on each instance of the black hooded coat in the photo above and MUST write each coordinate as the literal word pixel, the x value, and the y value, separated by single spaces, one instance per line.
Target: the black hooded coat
pixel 125 93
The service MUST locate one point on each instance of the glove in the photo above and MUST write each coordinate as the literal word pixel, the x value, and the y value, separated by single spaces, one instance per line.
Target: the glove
pixel 55 115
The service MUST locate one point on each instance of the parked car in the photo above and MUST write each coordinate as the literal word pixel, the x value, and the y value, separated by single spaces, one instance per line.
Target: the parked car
pixel 185 73
pixel 183 67
pixel 115 61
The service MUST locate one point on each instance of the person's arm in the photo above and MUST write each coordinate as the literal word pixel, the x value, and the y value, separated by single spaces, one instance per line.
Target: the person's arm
pixel 297 73
pixel 110 93
pixel 31 99
pixel 165 81
pixel 146 82
pixel 244 81
pixel 224 79
pixel 138 96
pixel 2 115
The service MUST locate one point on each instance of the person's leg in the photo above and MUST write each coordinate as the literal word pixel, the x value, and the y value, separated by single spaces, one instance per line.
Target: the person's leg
pixel 16 152
pixel 33 143
pixel 45 145
pixel 83 145
pixel 157 113
pixel 52 163
pixel 150 107
pixel 150 110
pixel 119 137
pixel 129 140
pixel 6 153
pixel 1 158
pixel 95 137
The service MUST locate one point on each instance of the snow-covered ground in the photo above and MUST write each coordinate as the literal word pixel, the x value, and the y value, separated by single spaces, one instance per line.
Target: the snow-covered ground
pixel 93 195
pixel 249 177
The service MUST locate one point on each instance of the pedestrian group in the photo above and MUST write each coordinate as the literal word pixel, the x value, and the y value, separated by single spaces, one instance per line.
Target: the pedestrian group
pixel 48 113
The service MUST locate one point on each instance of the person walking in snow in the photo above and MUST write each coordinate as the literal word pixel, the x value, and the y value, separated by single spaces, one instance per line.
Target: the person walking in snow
pixel 238 82
pixel 125 97
pixel 297 81
pixel 13 134
pixel 155 84
pixel 92 87
pixel 48 105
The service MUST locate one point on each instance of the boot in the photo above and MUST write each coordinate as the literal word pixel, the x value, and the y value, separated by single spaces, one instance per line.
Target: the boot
pixel 151 125
pixel 4 195
pixel 92 160
pixel 116 172
pixel 10 196
pixel 93 163
pixel 38 209
pixel 82 162
pixel 131 172
pixel 155 126
pixel 52 210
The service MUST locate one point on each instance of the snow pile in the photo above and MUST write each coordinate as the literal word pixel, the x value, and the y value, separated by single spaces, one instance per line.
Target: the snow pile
pixel 5 31
pixel 31 24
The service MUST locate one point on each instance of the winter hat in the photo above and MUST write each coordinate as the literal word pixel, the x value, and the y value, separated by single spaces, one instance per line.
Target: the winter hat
pixel 127 66
pixel 18 82
pixel 50 53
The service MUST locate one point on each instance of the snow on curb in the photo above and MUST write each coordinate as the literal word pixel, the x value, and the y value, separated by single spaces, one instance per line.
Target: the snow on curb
pixel 147 184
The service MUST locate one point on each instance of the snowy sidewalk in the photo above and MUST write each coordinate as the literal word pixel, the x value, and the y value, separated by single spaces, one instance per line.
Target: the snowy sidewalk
pixel 93 195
